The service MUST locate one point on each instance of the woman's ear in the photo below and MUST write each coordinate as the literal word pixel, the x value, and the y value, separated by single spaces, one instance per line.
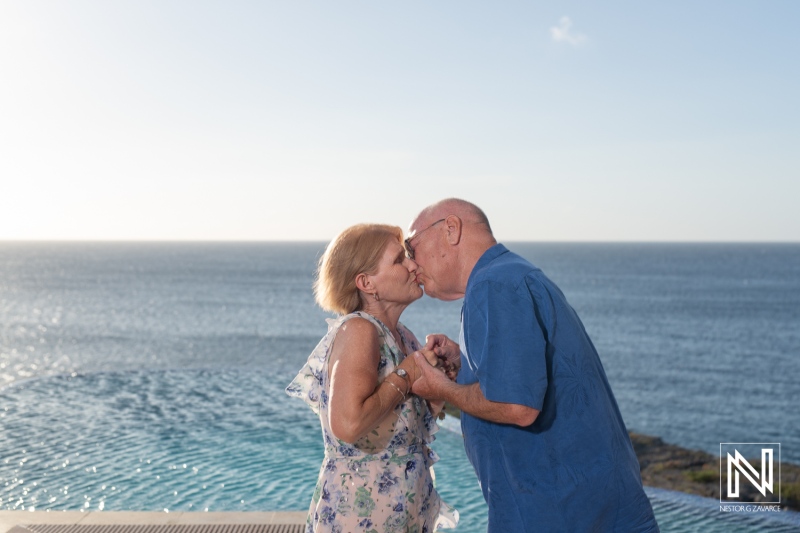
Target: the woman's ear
pixel 364 283
pixel 454 227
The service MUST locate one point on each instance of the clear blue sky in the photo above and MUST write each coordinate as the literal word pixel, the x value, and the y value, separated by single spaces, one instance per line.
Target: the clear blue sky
pixel 575 121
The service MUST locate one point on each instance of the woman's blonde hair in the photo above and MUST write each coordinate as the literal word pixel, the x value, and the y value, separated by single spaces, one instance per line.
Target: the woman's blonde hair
pixel 355 250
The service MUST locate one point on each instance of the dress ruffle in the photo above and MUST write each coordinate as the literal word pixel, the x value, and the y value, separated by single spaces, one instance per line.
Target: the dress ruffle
pixel 309 384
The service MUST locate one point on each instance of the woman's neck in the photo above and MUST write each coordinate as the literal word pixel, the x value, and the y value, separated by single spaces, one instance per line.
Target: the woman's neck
pixel 389 314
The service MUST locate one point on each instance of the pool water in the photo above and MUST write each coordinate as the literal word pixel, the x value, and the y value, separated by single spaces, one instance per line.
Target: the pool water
pixel 197 440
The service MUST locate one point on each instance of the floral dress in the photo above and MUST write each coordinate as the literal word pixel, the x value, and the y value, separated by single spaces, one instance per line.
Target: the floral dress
pixel 383 483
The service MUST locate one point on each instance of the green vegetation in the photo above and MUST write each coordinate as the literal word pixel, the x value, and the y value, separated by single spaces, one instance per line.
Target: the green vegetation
pixel 790 494
pixel 703 476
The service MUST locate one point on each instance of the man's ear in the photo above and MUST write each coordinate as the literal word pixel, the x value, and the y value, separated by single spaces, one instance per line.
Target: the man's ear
pixel 454 227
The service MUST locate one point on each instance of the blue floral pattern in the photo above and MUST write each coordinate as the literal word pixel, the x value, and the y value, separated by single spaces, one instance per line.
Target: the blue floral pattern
pixel 383 483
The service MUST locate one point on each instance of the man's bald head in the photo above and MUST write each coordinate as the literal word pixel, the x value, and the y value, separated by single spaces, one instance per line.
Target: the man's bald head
pixel 463 209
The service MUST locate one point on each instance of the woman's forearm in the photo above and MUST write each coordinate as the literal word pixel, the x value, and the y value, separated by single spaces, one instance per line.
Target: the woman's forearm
pixel 352 424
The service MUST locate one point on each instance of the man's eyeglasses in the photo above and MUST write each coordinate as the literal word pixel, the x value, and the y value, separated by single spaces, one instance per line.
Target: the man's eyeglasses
pixel 407 242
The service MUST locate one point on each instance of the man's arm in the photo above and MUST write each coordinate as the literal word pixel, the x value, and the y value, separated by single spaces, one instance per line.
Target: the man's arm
pixel 434 384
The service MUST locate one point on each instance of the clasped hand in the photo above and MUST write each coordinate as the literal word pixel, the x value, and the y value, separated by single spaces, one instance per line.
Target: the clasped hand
pixel 439 361
pixel 438 364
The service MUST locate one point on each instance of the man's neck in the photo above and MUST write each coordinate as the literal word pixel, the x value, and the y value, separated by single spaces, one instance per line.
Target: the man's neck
pixel 470 258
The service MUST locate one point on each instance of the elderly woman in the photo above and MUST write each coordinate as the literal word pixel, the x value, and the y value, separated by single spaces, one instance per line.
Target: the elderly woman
pixel 376 476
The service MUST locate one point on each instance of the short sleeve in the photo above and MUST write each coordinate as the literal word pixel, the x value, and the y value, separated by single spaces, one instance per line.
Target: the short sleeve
pixel 506 343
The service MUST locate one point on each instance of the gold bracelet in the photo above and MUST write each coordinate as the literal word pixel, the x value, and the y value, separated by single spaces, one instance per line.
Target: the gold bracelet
pixel 403 396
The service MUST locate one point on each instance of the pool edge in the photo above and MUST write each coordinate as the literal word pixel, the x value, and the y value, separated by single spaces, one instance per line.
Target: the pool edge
pixel 11 519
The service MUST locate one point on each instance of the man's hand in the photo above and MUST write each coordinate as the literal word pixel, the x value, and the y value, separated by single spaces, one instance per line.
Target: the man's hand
pixel 431 381
pixel 447 350
pixel 413 367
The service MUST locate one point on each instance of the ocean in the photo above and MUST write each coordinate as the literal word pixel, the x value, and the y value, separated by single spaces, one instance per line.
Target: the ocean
pixel 150 376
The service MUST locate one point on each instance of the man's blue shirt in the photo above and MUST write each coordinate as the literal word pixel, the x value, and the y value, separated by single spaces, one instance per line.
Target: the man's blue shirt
pixel 574 468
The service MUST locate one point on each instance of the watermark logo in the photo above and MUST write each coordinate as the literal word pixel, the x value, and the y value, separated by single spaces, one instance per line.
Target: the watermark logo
pixel 747 469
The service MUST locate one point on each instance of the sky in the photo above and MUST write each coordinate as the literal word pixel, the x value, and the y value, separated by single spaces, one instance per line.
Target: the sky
pixel 291 120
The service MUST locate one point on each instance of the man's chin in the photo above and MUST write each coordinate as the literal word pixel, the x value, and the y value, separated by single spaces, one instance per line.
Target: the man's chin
pixel 433 293
pixel 429 292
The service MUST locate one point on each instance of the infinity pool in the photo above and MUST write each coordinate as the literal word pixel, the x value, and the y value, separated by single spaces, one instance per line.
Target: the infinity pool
pixel 219 441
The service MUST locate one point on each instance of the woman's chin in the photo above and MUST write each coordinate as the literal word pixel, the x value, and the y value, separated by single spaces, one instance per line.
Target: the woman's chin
pixel 417 293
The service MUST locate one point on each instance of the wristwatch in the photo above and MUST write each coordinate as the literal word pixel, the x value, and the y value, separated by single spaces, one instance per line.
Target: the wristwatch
pixel 403 374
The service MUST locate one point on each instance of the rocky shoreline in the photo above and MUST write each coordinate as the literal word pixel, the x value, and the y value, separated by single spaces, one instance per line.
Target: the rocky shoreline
pixel 671 467
pixel 667 466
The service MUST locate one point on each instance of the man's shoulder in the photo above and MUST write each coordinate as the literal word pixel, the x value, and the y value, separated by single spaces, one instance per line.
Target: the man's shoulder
pixel 511 274
pixel 506 268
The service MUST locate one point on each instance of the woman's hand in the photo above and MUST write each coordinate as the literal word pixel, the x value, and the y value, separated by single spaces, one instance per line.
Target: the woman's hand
pixel 451 371
pixel 410 365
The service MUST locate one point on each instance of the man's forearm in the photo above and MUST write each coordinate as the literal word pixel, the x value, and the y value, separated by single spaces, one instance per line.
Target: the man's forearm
pixel 470 399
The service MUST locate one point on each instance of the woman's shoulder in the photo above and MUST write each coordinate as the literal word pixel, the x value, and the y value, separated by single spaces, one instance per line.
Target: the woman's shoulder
pixel 359 317
pixel 354 317
pixel 356 325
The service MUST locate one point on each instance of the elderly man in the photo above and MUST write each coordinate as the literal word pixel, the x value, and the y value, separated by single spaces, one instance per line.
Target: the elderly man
pixel 541 426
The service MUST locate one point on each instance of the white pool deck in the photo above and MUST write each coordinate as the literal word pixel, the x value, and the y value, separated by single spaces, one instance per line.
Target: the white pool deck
pixel 11 519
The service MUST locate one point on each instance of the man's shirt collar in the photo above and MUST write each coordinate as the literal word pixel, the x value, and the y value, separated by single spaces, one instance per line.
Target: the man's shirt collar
pixel 488 256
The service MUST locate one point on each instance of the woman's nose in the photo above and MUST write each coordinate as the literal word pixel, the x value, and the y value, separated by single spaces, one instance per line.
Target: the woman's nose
pixel 411 265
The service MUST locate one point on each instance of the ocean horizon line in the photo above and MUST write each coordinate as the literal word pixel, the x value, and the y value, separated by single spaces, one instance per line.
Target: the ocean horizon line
pixel 323 241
